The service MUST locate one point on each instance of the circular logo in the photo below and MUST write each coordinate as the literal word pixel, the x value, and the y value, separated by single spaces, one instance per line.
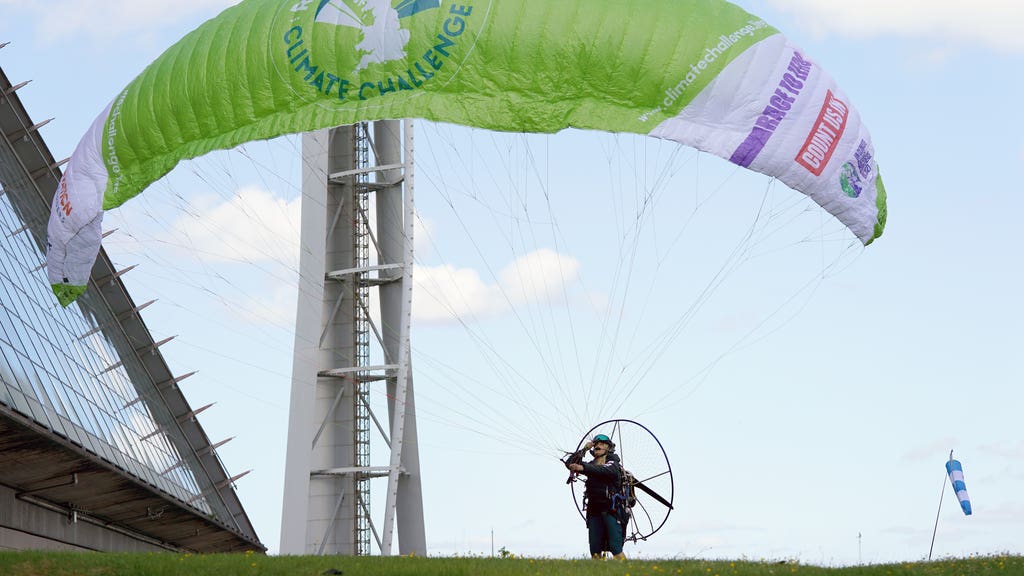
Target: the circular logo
pixel 849 179
pixel 343 52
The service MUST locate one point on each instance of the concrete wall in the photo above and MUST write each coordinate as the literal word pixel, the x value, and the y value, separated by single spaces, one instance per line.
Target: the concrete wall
pixel 26 526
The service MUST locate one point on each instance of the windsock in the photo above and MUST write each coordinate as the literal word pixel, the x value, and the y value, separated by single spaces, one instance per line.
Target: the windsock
pixel 956 476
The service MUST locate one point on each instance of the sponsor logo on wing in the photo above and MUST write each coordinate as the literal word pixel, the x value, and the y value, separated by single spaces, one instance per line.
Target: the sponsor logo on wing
pixel 825 135
pixel 856 171
pixel 378 33
pixel 360 13
pixel 780 103
pixel 64 200
pixel 384 39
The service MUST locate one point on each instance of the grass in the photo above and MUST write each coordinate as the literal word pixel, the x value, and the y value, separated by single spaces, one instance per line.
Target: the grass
pixel 167 564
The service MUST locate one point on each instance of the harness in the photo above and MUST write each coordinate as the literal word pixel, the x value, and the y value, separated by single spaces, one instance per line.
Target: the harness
pixel 619 494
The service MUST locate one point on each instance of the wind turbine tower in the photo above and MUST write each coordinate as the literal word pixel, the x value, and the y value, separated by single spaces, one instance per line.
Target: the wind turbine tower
pixel 344 353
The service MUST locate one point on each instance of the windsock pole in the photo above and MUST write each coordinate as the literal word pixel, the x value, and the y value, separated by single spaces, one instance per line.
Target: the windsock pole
pixel 934 530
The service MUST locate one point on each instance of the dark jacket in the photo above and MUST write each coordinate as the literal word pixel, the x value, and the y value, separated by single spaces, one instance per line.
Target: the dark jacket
pixel 602 483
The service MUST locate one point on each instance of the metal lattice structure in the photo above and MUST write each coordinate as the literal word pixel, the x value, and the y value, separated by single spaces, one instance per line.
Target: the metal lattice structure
pixel 338 365
pixel 361 292
pixel 93 424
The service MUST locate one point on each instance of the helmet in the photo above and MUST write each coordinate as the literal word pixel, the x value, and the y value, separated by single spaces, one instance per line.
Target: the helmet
pixel 604 438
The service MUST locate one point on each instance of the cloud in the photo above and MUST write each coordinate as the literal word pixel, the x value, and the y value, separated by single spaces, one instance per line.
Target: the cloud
pixel 253 226
pixel 243 250
pixel 1009 450
pixel 937 448
pixel 540 276
pixel 447 294
pixel 256 228
pixel 993 24
pixel 276 307
pixel 999 512
pixel 422 236
pixel 444 293
pixel 109 19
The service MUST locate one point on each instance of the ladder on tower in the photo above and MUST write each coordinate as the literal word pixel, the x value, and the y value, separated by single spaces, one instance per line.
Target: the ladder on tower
pixel 343 361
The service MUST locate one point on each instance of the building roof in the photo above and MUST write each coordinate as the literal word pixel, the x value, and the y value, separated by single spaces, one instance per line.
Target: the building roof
pixel 92 420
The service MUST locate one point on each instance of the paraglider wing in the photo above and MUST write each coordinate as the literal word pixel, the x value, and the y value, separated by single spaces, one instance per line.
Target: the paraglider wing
pixel 704 73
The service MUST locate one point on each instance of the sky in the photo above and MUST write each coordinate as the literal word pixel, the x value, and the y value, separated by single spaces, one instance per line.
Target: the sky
pixel 807 391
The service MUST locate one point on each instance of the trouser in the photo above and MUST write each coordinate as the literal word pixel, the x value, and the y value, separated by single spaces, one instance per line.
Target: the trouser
pixel 605 533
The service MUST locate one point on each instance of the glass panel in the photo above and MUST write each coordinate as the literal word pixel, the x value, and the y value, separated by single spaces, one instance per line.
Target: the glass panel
pixel 72 431
pixel 37 411
pixel 5 393
pixel 21 403
pixel 53 372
